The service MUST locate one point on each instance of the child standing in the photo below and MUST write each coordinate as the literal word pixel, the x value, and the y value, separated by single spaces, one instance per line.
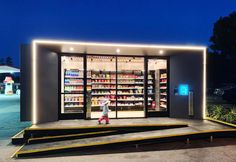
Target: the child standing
pixel 105 110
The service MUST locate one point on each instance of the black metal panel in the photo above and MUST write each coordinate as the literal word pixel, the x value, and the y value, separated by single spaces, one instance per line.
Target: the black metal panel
pixel 186 69
pixel 25 81
pixel 146 86
pixel 47 85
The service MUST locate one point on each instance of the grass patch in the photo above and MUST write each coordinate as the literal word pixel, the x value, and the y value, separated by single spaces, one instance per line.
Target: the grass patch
pixel 222 112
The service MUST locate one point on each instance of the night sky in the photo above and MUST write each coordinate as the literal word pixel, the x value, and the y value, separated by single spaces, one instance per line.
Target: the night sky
pixel 146 21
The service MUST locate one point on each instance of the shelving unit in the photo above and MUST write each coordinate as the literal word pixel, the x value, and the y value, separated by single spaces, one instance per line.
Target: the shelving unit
pixel 126 92
pixel 163 89
pixel 73 91
pixel 103 85
pixel 151 91
pixel 130 90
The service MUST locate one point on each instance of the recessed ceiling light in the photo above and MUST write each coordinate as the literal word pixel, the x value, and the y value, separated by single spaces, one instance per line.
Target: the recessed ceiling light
pixel 71 49
pixel 117 50
pixel 161 52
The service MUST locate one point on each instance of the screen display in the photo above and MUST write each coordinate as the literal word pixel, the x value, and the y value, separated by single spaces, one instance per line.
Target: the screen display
pixel 183 89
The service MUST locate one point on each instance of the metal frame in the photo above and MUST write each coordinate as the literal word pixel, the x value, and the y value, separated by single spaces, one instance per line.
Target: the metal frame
pixel 63 116
pixel 116 87
pixel 158 113
pixel 83 116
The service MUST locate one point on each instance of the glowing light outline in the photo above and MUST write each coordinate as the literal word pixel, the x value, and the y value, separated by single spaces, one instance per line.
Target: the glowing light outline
pixel 204 82
pixel 52 42
pixel 34 88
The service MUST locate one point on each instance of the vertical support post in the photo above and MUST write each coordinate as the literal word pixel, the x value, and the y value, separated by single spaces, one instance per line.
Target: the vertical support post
pixel 190 104
pixel 187 141
pixel 85 85
pixel 116 84
pixel 211 139
pixel 145 86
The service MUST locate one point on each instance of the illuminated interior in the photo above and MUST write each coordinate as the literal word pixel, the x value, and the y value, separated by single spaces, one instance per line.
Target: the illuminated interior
pixel 158 90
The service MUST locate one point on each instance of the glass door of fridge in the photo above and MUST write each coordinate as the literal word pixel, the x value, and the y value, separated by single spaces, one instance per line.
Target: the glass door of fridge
pixel 130 87
pixel 157 88
pixel 72 86
pixel 101 86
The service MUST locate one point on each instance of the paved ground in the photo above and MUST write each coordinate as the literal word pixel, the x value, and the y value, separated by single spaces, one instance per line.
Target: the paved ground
pixel 10 117
pixel 222 150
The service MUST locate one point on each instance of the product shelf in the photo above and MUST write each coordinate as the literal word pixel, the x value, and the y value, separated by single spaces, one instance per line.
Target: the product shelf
pixel 129 93
pixel 73 106
pixel 163 106
pixel 130 100
pixel 98 94
pixel 128 105
pixel 73 92
pixel 130 83
pixel 103 88
pixel 128 88
pixel 130 78
pixel 163 100
pixel 73 84
pixel 104 78
pixel 163 82
pixel 73 101
pixel 163 94
pixel 100 105
pixel 71 77
pixel 95 83
pixel 164 88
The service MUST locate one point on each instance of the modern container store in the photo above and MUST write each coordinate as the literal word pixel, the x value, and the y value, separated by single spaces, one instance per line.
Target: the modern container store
pixel 70 79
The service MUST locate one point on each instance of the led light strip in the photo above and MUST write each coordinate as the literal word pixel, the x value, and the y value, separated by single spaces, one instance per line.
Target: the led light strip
pixel 53 42
pixel 120 45
pixel 204 82
pixel 34 84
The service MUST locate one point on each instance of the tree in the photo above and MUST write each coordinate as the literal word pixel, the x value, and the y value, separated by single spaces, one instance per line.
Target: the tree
pixel 9 61
pixel 2 61
pixel 222 54
pixel 223 40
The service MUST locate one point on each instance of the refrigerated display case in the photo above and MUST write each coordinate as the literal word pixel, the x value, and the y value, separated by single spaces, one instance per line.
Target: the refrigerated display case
pixel 72 89
pixel 119 79
pixel 157 86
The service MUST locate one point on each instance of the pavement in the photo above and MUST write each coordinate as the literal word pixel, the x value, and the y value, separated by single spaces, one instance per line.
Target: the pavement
pixel 10 116
pixel 222 150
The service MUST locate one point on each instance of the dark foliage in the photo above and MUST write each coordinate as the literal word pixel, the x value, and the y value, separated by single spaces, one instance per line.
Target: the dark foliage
pixel 222 54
